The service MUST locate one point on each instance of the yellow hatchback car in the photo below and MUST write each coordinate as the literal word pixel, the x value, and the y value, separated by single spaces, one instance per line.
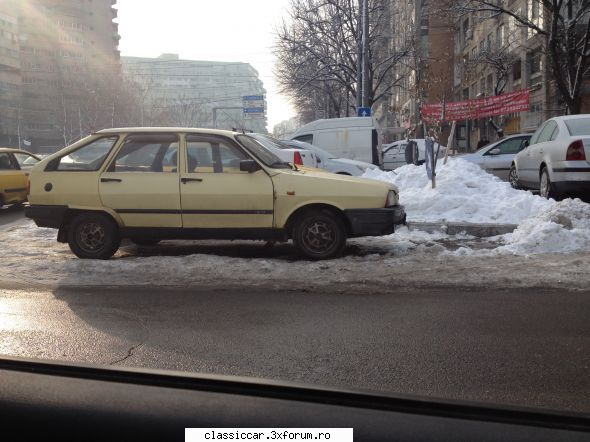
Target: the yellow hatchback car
pixel 14 171
pixel 150 184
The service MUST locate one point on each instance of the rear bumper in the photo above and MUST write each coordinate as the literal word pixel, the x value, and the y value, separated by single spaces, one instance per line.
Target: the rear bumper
pixel 46 216
pixel 375 222
pixel 571 186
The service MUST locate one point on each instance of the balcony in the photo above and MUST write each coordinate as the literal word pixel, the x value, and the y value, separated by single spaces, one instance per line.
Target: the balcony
pixel 115 13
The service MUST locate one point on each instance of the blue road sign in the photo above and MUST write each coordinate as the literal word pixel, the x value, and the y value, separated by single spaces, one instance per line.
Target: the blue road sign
pixel 253 110
pixel 364 112
pixel 253 97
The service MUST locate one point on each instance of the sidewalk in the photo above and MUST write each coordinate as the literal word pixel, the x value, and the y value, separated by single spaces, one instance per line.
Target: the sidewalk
pixel 480 230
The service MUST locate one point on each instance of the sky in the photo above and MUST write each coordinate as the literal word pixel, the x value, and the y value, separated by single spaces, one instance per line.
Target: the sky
pixel 213 30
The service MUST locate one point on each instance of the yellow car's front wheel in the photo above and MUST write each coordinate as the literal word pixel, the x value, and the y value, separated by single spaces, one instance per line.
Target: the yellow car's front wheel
pixel 319 235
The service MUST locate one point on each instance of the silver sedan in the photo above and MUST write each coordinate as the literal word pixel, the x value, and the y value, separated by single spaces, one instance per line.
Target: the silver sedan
pixel 497 157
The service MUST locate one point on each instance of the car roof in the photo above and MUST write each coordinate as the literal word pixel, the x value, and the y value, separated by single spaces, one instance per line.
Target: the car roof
pixel 159 130
pixel 571 117
pixel 13 150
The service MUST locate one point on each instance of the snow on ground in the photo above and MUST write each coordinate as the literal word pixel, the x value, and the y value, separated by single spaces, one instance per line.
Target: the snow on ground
pixel 550 247
pixel 464 192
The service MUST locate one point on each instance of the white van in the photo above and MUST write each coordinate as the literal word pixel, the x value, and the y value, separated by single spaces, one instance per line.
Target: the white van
pixel 355 138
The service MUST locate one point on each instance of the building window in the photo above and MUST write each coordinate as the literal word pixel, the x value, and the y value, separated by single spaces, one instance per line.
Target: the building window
pixel 517 71
pixel 535 62
pixel 500 36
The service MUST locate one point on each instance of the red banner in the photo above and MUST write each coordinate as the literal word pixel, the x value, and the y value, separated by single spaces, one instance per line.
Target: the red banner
pixel 481 108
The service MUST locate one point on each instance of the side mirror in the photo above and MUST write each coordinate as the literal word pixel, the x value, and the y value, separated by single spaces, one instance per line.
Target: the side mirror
pixel 495 151
pixel 525 144
pixel 249 166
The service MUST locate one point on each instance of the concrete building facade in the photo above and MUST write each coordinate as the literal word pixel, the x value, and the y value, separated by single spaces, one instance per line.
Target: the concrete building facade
pixel 425 74
pixel 191 93
pixel 10 76
pixel 64 49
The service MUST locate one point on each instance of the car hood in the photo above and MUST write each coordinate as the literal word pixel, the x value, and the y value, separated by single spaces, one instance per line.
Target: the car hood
pixel 342 180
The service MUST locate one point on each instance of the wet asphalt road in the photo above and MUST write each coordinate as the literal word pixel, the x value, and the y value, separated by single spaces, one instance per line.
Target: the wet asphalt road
pixel 522 347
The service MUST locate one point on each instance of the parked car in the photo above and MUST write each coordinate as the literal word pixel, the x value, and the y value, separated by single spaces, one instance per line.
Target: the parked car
pixel 402 152
pixel 290 155
pixel 327 161
pixel 556 161
pixel 496 158
pixel 148 184
pixel 355 138
pixel 14 171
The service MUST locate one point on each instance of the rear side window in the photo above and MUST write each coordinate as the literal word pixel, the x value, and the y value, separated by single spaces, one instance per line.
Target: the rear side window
pixel 305 138
pixel 6 162
pixel 25 160
pixel 547 131
pixel 89 157
pixel 578 127
pixel 147 153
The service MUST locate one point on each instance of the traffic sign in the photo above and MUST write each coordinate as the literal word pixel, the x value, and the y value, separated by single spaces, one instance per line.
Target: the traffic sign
pixel 364 112
pixel 253 106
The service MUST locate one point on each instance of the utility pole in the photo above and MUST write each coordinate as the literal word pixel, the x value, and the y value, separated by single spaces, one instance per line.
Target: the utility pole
pixel 365 41
pixel 359 59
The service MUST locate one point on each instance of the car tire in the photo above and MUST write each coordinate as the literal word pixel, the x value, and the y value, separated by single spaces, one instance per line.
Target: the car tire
pixel 145 242
pixel 545 187
pixel 513 178
pixel 93 236
pixel 319 235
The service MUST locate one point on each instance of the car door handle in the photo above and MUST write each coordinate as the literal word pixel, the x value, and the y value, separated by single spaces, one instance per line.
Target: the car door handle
pixel 188 180
pixel 110 180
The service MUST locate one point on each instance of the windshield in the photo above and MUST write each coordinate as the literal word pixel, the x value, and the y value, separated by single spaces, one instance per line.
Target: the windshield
pixel 303 145
pixel 170 228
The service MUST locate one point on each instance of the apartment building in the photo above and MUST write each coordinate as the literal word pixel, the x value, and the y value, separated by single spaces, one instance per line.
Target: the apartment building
pixel 191 93
pixel 495 55
pixel 424 75
pixel 10 77
pixel 63 49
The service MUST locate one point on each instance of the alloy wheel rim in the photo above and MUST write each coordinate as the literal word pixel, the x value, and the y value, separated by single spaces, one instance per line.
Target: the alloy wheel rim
pixel 319 236
pixel 91 236
pixel 513 178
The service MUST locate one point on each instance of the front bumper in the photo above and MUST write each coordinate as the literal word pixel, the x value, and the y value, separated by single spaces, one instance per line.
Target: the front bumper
pixel 46 216
pixel 375 222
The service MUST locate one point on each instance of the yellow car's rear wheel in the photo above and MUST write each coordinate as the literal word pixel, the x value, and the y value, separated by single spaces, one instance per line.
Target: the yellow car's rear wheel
pixel 93 236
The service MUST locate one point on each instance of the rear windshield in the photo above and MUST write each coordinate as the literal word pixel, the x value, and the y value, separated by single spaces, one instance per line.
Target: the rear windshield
pixel 579 126
pixel 256 148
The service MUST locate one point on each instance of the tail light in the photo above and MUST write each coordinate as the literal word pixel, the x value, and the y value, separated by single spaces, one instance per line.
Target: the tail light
pixel 297 159
pixel 575 152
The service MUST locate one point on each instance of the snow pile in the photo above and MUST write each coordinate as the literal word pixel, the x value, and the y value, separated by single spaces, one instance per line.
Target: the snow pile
pixel 562 228
pixel 464 192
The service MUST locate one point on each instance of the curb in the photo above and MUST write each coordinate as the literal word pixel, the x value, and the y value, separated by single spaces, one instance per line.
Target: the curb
pixel 480 230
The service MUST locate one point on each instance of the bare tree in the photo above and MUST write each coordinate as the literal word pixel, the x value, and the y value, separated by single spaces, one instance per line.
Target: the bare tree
pixel 183 111
pixel 317 53
pixel 564 29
